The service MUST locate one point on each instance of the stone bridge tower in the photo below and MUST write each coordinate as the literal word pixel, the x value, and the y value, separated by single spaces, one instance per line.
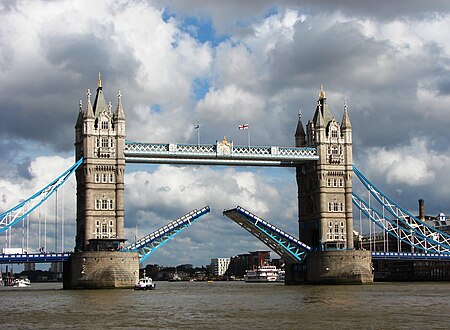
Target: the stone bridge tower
pixel 325 199
pixel 100 140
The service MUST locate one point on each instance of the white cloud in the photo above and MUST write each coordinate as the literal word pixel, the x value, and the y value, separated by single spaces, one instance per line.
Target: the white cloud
pixel 229 104
pixel 416 164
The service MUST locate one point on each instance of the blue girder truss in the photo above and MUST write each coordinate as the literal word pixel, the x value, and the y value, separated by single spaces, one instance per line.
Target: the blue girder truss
pixel 21 210
pixel 147 245
pixel 288 247
pixel 403 226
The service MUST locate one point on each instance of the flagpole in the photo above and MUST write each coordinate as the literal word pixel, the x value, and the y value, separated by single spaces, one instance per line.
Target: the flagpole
pixel 198 135
pixel 248 137
pixel 197 127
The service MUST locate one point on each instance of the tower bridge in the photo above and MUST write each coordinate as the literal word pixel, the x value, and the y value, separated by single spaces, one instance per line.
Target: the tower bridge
pixel 323 252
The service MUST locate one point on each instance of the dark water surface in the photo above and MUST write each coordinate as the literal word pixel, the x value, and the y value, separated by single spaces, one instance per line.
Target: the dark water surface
pixel 229 305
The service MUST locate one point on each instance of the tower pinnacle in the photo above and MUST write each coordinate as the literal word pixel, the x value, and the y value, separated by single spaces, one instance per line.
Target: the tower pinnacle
pixel 99 81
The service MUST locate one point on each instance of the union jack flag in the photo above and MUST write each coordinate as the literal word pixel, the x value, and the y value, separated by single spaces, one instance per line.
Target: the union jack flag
pixel 243 126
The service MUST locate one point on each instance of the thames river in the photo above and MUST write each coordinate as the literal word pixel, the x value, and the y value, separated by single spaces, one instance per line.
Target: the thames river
pixel 229 305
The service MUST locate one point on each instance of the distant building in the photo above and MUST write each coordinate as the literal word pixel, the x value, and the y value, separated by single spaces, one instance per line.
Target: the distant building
pixel 29 266
pixel 242 262
pixel 219 266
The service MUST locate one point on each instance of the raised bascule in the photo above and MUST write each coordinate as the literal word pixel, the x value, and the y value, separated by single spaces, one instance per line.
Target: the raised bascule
pixel 323 252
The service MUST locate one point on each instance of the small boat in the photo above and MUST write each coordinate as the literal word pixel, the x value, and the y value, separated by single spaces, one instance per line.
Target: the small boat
pixel 22 282
pixel 145 283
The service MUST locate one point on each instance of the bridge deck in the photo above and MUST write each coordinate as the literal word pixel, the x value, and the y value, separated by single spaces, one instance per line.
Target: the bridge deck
pixel 34 257
pixel 221 153
pixel 410 256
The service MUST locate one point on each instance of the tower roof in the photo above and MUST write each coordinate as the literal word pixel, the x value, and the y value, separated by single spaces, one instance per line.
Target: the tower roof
pixel 119 110
pixel 345 118
pixel 322 106
pixel 300 131
pixel 100 102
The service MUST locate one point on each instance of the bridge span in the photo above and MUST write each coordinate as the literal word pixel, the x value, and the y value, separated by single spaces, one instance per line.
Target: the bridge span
pixel 221 153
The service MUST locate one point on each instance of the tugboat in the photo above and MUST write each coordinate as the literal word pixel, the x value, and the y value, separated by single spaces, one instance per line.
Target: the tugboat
pixel 145 283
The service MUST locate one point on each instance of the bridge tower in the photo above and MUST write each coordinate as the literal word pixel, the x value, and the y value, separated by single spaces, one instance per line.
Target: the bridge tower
pixel 100 140
pixel 325 200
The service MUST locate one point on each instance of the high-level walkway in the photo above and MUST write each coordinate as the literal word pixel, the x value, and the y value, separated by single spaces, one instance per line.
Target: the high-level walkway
pixel 221 153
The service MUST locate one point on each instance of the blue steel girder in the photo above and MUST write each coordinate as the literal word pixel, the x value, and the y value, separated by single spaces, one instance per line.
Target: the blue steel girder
pixel 221 153
pixel 148 244
pixel 21 210
pixel 405 218
pixel 399 230
pixel 287 246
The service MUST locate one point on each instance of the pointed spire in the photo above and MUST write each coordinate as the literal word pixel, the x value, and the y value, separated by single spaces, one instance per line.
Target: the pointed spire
pixel 345 118
pixel 318 118
pixel 99 102
pixel 89 112
pixel 322 95
pixel 99 81
pixel 119 110
pixel 80 115
pixel 300 135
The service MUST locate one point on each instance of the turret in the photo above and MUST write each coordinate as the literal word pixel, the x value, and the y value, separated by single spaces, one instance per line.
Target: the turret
pixel 300 136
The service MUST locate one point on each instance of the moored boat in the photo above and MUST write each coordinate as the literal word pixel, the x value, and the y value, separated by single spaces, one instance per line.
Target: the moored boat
pixel 262 274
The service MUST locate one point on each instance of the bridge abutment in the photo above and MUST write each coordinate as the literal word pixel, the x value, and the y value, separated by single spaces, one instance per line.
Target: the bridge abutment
pixel 101 270
pixel 332 267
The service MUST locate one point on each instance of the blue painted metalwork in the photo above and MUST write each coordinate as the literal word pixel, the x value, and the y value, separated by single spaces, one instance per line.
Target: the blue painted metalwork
pixel 21 210
pixel 400 229
pixel 287 246
pixel 150 243
pixel 410 256
pixel 34 257
pixel 221 153
pixel 404 226
pixel 400 213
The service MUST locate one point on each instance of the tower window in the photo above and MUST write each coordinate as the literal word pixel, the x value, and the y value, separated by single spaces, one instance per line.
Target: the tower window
pixel 105 125
pixel 111 178
pixel 104 178
pixel 105 142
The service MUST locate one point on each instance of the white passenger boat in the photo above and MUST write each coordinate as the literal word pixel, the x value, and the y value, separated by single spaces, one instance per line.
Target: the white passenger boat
pixel 21 282
pixel 262 274
pixel 145 283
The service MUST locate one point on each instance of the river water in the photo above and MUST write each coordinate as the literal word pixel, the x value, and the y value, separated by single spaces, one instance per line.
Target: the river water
pixel 229 305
